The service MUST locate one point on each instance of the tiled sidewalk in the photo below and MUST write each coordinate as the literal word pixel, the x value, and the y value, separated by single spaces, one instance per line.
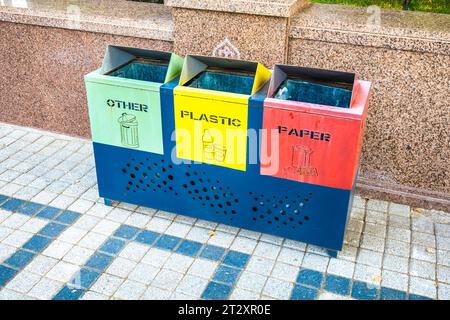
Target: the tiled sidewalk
pixel 59 241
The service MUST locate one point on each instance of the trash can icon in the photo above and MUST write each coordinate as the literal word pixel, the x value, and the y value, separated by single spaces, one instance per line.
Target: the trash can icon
pixel 129 130
pixel 220 152
pixel 301 160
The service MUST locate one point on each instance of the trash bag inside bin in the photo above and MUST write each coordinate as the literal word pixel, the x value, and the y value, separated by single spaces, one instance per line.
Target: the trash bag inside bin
pixel 224 80
pixel 311 92
pixel 143 69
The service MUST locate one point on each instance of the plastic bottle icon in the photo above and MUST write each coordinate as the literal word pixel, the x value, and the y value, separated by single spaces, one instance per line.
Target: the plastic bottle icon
pixel 129 130
pixel 208 146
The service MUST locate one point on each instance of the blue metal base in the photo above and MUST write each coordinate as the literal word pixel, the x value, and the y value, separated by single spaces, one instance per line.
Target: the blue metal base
pixel 286 208
pixel 332 253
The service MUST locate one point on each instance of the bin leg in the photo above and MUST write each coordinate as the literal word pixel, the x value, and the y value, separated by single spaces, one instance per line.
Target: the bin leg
pixel 108 202
pixel 332 253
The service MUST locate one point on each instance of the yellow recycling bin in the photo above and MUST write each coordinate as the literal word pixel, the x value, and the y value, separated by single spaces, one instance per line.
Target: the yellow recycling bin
pixel 211 109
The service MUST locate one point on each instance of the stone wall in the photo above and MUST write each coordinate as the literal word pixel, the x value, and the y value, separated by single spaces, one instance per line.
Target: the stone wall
pixel 406 149
pixel 42 74
pixel 47 49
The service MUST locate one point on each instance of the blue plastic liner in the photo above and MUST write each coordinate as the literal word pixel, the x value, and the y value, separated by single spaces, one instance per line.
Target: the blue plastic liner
pixel 142 71
pixel 227 82
pixel 304 91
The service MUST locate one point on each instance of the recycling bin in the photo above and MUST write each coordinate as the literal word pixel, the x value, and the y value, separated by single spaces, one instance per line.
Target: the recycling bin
pixel 315 121
pixel 224 140
pixel 211 109
pixel 318 117
pixel 124 98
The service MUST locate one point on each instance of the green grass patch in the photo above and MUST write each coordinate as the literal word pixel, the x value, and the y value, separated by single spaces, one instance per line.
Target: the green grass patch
pixel 438 6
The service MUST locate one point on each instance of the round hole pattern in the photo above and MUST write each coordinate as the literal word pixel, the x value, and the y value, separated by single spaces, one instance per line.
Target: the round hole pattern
pixel 150 176
pixel 211 193
pixel 280 211
pixel 196 185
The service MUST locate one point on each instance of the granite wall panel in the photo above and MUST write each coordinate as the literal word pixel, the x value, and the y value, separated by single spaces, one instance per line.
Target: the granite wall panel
pixel 42 69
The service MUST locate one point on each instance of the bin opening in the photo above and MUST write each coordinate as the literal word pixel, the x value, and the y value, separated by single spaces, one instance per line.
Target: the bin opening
pixel 312 92
pixel 143 69
pixel 318 86
pixel 234 81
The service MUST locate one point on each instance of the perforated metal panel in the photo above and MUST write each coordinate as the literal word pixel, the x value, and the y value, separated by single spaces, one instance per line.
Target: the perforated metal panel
pixel 281 211
pixel 308 213
pixel 145 177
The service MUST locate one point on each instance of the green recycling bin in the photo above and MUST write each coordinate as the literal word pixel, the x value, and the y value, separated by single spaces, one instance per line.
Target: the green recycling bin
pixel 124 98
